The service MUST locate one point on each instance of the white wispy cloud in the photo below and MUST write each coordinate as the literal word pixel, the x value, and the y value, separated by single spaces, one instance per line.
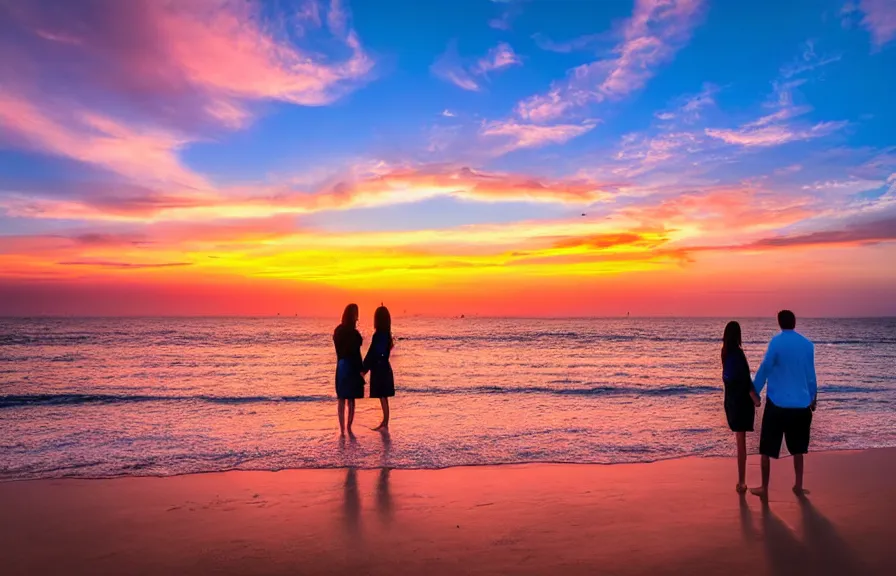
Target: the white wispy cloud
pixel 653 34
pixel 451 67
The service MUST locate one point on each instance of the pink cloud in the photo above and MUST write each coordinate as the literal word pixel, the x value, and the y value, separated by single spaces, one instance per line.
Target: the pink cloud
pixel 879 19
pixel 450 68
pixel 650 37
pixel 143 154
pixel 498 57
pixel 200 58
pixel 533 135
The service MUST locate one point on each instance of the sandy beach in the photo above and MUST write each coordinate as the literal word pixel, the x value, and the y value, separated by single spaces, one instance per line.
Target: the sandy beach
pixel 670 517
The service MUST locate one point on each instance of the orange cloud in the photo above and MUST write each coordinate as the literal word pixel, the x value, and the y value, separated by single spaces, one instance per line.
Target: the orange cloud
pixel 384 186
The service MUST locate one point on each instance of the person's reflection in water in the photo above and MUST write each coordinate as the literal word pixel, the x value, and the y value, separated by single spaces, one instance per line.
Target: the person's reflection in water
pixel 830 553
pixel 351 503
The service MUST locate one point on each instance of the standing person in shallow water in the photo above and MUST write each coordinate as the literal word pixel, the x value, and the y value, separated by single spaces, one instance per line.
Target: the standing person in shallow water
pixel 789 368
pixel 382 380
pixel 349 366
pixel 741 400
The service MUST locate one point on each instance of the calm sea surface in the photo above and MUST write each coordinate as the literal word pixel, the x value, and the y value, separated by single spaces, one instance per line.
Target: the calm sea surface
pixel 158 396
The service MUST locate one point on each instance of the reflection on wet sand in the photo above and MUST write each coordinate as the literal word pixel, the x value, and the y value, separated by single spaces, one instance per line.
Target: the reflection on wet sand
pixel 351 503
pixel 384 505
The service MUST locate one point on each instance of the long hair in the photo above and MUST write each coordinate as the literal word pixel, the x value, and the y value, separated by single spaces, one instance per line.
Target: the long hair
pixel 731 339
pixel 382 322
pixel 350 316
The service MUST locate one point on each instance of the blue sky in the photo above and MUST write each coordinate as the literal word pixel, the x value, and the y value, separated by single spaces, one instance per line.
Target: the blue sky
pixel 529 124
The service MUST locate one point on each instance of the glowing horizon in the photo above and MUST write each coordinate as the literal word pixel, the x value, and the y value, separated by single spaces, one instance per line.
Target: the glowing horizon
pixel 657 157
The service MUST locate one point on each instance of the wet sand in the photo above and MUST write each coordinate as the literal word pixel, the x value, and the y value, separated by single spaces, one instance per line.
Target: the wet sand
pixel 672 517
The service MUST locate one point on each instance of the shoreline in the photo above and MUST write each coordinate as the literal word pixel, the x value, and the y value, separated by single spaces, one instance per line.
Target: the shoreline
pixel 498 466
pixel 676 516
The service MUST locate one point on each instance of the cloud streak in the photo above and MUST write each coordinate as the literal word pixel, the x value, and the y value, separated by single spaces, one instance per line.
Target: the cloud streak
pixel 384 186
pixel 451 68
pixel 517 135
pixel 760 136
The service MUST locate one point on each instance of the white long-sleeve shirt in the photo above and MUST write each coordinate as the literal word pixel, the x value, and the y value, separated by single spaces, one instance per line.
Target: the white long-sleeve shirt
pixel 789 368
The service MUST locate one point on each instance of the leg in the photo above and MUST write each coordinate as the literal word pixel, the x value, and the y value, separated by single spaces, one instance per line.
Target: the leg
pixel 766 471
pixel 741 461
pixel 797 438
pixel 798 475
pixel 340 408
pixel 384 402
pixel 770 438
pixel 351 414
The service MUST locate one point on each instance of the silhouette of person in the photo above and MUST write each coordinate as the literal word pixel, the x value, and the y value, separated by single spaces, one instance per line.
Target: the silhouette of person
pixel 789 368
pixel 349 366
pixel 382 379
pixel 740 398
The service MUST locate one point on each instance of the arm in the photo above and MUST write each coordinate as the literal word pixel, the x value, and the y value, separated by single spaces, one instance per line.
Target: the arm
pixel 370 356
pixel 764 367
pixel 753 395
pixel 356 352
pixel 811 379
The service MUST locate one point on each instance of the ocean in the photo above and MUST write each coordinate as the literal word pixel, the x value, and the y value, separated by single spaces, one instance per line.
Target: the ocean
pixel 101 397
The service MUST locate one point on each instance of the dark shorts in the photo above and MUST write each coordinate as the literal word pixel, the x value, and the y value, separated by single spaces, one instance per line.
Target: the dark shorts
pixel 791 424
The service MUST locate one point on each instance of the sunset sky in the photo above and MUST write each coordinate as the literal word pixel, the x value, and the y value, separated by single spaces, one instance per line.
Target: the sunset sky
pixel 489 157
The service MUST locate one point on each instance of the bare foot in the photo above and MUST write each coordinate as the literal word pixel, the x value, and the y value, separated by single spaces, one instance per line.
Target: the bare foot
pixel 342 433
pixel 761 492
pixel 741 488
pixel 800 491
pixel 382 426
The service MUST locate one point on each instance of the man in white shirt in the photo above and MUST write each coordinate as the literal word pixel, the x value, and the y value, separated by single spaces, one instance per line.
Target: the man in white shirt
pixel 789 368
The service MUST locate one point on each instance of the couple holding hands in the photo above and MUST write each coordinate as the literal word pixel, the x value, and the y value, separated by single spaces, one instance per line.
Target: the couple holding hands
pixel 351 368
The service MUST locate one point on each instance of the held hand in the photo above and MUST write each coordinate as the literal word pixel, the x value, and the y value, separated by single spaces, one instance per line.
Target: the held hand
pixel 756 400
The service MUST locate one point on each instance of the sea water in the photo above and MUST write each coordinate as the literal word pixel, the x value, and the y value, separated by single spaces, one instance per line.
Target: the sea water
pixel 161 396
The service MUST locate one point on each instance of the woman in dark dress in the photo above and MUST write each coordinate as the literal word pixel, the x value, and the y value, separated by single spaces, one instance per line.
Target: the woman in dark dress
pixel 382 381
pixel 741 400
pixel 349 366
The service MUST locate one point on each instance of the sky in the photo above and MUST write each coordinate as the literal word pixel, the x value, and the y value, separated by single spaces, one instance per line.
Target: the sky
pixel 478 157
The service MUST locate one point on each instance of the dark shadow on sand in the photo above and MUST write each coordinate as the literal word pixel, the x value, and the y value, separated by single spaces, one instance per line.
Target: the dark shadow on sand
pixel 830 554
pixel 784 553
pixel 746 520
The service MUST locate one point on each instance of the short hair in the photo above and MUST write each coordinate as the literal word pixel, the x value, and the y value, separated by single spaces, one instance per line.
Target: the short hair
pixel 786 320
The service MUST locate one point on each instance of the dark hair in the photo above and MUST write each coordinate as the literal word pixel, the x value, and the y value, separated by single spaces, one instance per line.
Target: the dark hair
pixel 350 316
pixel 382 322
pixel 786 320
pixel 731 340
